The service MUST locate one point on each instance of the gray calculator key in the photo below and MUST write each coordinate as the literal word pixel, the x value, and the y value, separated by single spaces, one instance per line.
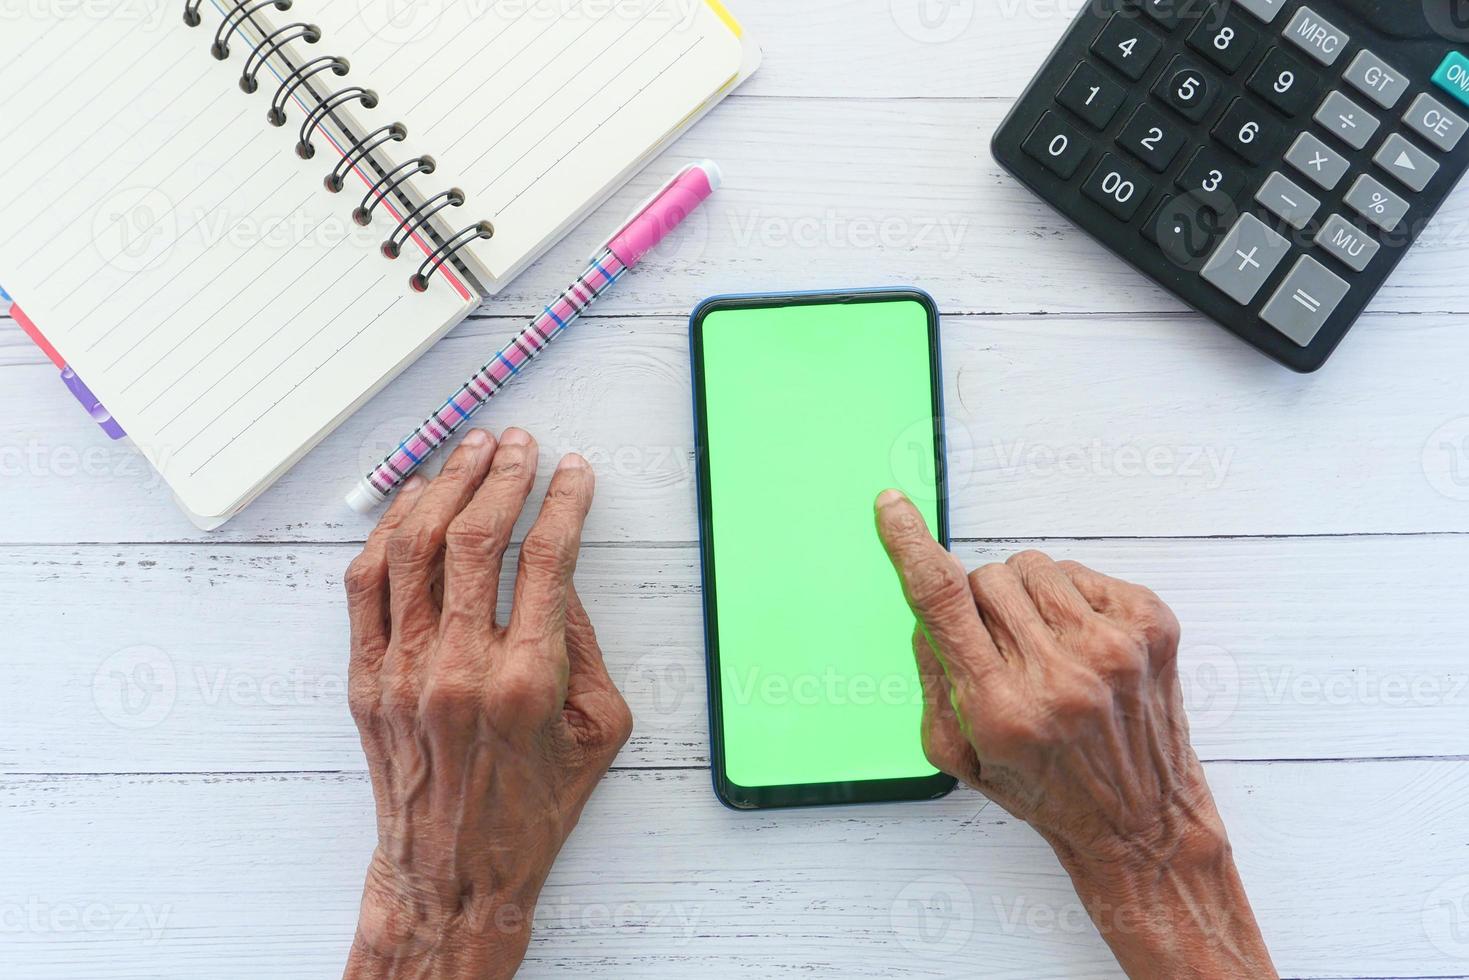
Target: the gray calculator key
pixel 1317 36
pixel 1373 201
pixel 1376 79
pixel 1287 200
pixel 1245 259
pixel 1263 9
pixel 1406 162
pixel 1430 119
pixel 1305 301
pixel 1347 243
pixel 1324 166
pixel 1355 125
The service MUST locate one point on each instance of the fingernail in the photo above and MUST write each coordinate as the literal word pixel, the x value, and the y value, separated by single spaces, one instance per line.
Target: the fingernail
pixel 515 437
pixel 889 497
pixel 572 461
pixel 414 484
pixel 477 438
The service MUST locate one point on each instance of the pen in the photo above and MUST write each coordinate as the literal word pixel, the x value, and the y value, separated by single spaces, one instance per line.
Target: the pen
pixel 648 226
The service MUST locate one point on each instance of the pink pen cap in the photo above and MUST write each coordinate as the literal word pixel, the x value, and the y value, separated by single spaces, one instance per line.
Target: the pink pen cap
pixel 665 211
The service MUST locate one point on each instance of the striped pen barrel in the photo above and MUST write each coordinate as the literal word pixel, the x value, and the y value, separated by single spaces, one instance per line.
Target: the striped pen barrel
pixel 650 225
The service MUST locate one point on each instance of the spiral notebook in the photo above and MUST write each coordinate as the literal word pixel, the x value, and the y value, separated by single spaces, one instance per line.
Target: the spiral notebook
pixel 237 221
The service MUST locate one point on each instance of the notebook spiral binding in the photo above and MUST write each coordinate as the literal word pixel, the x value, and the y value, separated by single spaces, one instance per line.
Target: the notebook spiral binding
pixel 361 148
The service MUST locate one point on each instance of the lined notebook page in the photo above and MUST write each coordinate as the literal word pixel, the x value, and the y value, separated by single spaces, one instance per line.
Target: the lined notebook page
pixel 534 108
pixel 187 264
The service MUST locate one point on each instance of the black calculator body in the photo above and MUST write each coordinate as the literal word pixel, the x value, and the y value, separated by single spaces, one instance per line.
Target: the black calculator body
pixel 1268 161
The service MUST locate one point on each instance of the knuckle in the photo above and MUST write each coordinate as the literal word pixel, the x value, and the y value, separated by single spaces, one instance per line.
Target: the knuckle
pixel 1077 704
pixel 988 578
pixel 474 532
pixel 362 701
pixel 451 694
pixel 1029 558
pixel 1155 621
pixel 412 544
pixel 523 693
pixel 543 553
pixel 363 577
pixel 932 583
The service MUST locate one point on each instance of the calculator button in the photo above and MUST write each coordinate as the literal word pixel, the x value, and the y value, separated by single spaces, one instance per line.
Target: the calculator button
pixel 1092 96
pixel 1168 13
pixel 1431 120
pixel 1305 301
pixel 1247 131
pixel 1184 229
pixel 1214 174
pixel 1376 79
pixel 1411 166
pixel 1373 201
pixel 1453 76
pixel 1263 9
pixel 1186 90
pixel 1354 125
pixel 1346 243
pixel 1127 45
pixel 1287 200
pixel 1245 259
pixel 1057 145
pixel 1117 187
pixel 1152 138
pixel 1317 36
pixel 1285 83
pixel 1324 166
pixel 1226 42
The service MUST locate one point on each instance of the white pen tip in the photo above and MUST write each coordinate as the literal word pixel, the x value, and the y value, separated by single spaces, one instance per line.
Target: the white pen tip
pixel 711 169
pixel 363 499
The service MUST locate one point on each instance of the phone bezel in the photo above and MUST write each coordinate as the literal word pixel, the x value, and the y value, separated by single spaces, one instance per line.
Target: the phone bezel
pixel 731 794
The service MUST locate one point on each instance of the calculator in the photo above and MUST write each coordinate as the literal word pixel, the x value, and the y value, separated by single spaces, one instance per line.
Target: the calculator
pixel 1268 161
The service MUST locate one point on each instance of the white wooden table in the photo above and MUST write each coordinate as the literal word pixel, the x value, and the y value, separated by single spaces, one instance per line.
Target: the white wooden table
pixel 181 790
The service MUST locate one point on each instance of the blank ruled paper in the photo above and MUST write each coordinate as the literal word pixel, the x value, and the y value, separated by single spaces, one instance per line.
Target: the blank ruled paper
pixel 536 109
pixel 190 268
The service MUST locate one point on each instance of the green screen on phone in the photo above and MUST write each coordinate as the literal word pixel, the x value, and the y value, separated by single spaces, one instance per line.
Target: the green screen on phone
pixel 809 411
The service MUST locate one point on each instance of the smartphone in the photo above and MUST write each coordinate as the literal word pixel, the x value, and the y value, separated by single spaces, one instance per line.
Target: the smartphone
pixel 807 407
